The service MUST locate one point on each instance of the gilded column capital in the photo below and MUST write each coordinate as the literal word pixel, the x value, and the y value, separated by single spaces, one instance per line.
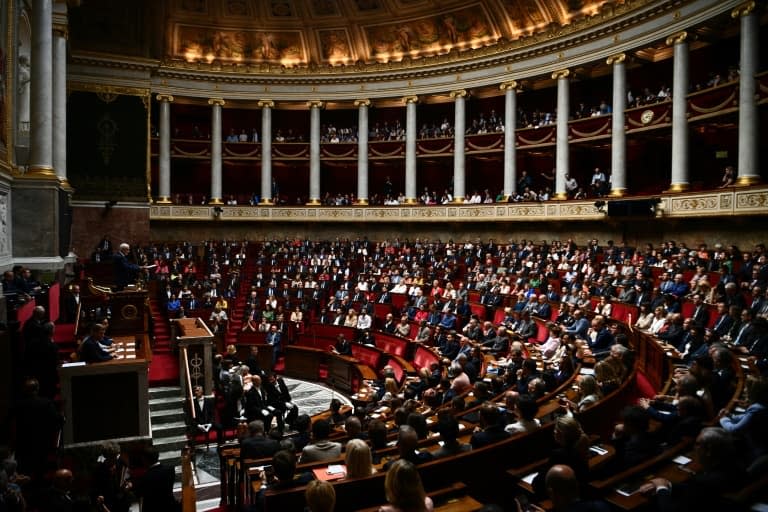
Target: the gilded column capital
pixel 744 9
pixel 511 84
pixel 460 93
pixel 168 98
pixel 217 101
pixel 266 104
pixel 410 99
pixel 315 104
pixel 616 59
pixel 678 38
pixel 365 102
pixel 563 73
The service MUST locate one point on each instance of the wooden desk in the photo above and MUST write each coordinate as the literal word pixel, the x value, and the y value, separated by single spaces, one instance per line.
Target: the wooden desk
pixel 106 401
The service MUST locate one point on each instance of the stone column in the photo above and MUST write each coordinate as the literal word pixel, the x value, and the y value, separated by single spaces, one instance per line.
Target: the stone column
pixel 266 150
pixel 164 160
pixel 60 102
pixel 618 135
pixel 41 87
pixel 362 150
pixel 459 159
pixel 314 151
pixel 679 181
pixel 510 146
pixel 216 141
pixel 410 148
pixel 748 169
pixel 562 159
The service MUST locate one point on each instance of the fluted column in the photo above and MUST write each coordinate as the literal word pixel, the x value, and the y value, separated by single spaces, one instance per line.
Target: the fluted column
pixel 314 151
pixel 164 160
pixel 216 141
pixel 562 159
pixel 680 176
pixel 748 170
pixel 510 147
pixel 362 150
pixel 60 35
pixel 459 160
pixel 618 135
pixel 41 87
pixel 266 107
pixel 410 148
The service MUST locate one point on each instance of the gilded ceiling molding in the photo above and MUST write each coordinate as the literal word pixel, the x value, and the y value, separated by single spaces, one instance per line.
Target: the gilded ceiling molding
pixel 165 97
pixel 461 93
pixel 511 84
pixel 410 99
pixel 362 103
pixel 217 101
pixel 266 104
pixel 315 104
pixel 562 73
pixel 616 59
pixel 678 38
pixel 743 10
pixel 107 89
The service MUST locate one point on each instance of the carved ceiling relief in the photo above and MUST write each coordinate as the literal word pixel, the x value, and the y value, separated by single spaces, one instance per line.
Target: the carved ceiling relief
pixel 347 32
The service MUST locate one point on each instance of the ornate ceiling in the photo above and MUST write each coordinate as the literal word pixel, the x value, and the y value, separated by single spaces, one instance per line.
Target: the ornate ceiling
pixel 317 32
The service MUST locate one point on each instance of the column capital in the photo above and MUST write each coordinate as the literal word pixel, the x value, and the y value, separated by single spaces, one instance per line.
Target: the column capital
pixel 216 101
pixel 460 93
pixel 678 38
pixel 169 98
pixel 744 9
pixel 563 73
pixel 61 30
pixel 315 104
pixel 365 102
pixel 511 84
pixel 616 59
pixel 410 99
pixel 266 104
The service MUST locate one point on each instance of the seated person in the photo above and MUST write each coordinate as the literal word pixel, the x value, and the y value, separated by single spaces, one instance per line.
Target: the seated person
pixel 407 443
pixel 448 428
pixel 92 350
pixel 321 448
pixel 526 416
pixel 492 428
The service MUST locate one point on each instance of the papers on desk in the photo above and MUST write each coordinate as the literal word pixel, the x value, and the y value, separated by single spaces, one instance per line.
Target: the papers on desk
pixel 682 460
pixel 70 365
pixel 598 450
pixel 335 469
pixel 462 426
pixel 530 477
pixel 430 421
pixel 629 488
pixel 390 444
pixel 375 416
pixel 586 371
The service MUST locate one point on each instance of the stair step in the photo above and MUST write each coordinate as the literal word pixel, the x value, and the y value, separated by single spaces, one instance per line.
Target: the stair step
pixel 165 391
pixel 164 403
pixel 174 428
pixel 172 457
pixel 166 416
pixel 169 444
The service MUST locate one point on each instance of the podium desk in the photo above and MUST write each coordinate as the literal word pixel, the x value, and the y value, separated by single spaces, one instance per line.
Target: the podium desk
pixel 106 401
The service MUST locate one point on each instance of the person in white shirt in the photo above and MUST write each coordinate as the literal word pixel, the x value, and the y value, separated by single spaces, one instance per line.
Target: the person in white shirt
pixel 527 422
pixel 364 321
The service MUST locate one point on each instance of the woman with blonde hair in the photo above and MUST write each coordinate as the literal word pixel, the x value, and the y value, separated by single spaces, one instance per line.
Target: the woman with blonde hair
pixel 358 459
pixel 404 490
pixel 572 449
pixel 589 392
pixel 320 496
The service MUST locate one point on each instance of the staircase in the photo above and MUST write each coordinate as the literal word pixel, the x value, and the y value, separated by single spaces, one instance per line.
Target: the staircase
pixel 163 370
pixel 167 418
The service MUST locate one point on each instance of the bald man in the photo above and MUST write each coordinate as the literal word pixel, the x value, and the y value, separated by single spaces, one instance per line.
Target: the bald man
pixel 563 490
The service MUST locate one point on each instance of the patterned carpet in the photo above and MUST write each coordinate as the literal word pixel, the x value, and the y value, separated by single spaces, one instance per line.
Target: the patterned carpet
pixel 311 398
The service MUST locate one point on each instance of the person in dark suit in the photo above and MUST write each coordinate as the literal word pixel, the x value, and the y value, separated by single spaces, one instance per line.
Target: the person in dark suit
pixel 274 338
pixel 492 427
pixel 92 350
pixel 279 397
pixel 155 487
pixel 36 423
pixel 257 446
pixel 564 490
pixel 204 418
pixel 342 346
pixel 125 271
pixel 71 301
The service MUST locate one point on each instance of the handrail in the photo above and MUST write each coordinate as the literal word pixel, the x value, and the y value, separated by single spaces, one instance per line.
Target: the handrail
pixel 188 497
pixel 188 381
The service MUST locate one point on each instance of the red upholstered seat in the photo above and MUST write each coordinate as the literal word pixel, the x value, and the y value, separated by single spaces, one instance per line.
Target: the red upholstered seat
pixel 424 358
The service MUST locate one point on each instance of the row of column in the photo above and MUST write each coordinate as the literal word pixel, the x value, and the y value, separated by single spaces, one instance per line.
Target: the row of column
pixel 748 126
pixel 48 93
